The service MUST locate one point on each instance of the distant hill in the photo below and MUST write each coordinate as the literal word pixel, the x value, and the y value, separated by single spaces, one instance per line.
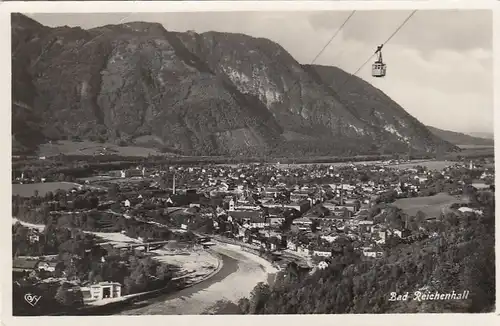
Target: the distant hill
pixel 458 138
pixel 486 135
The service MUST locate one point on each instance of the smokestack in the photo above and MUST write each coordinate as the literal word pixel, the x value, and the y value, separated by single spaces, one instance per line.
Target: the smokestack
pixel 173 185
pixel 341 191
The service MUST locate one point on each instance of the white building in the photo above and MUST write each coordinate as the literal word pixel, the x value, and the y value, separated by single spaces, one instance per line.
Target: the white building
pixel 329 238
pixel 471 210
pixel 47 266
pixel 322 265
pixel 322 253
pixel 373 254
pixel 105 290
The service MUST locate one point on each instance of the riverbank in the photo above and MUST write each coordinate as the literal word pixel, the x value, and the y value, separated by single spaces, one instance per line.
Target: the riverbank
pixel 182 282
pixel 237 272
pixel 304 259
pixel 39 227
pixel 194 265
pixel 237 278
pixel 116 305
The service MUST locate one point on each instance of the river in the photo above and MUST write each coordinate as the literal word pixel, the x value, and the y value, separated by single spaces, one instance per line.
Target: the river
pixel 240 272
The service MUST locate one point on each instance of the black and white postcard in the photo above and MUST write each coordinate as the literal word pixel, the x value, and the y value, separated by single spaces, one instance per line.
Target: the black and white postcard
pixel 333 160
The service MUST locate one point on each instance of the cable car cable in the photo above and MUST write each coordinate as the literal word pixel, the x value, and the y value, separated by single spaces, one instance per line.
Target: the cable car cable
pixel 324 48
pixel 381 46
pixel 333 37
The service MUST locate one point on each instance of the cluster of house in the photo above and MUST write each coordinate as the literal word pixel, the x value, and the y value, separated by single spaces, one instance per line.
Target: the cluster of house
pixel 260 197
pixel 343 210
pixel 91 293
pixel 325 202
pixel 30 265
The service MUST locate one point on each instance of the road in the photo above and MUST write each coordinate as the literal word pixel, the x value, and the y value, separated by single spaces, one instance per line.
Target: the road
pixel 240 273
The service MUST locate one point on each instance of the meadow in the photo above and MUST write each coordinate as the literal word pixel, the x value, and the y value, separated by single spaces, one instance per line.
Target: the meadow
pixel 432 206
pixel 431 165
pixel 90 148
pixel 28 189
pixel 476 146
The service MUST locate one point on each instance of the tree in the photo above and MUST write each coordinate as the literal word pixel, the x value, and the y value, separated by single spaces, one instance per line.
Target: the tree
pixel 244 305
pixel 49 196
pixel 258 297
pixel 63 296
pixel 420 218
pixel 314 226
pixel 163 272
pixel 262 250
pixel 113 191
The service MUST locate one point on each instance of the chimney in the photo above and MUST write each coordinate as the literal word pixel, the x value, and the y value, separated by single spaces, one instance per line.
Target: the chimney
pixel 173 185
pixel 342 191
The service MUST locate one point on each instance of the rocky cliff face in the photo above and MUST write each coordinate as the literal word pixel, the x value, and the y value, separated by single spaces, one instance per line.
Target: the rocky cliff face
pixel 202 94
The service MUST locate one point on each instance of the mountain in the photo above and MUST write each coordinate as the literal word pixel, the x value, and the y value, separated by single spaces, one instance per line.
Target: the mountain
pixel 458 138
pixel 196 94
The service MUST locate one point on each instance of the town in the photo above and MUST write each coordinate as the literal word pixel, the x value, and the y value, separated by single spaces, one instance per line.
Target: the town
pixel 290 215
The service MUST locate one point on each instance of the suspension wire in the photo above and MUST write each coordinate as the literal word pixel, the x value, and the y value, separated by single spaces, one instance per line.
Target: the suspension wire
pixel 333 37
pixel 324 47
pixel 382 45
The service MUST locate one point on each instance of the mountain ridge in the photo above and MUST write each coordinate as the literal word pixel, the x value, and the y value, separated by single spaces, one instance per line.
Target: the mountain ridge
pixel 459 138
pixel 484 135
pixel 199 94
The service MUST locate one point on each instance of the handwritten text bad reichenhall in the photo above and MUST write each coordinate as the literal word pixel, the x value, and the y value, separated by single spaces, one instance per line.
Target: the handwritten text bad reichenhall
pixel 428 296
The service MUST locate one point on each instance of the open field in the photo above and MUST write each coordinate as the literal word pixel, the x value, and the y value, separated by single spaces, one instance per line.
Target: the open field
pixel 28 189
pixel 431 165
pixel 114 238
pixel 475 146
pixel 432 206
pixel 39 227
pixel 96 178
pixel 68 147
pixel 194 264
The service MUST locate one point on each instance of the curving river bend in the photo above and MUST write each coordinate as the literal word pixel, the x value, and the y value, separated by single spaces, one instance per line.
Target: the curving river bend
pixel 240 272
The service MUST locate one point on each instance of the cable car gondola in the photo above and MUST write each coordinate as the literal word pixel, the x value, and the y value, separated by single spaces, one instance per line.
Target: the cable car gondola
pixel 379 67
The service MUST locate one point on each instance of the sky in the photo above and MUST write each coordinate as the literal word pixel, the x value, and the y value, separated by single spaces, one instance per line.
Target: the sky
pixel 439 64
